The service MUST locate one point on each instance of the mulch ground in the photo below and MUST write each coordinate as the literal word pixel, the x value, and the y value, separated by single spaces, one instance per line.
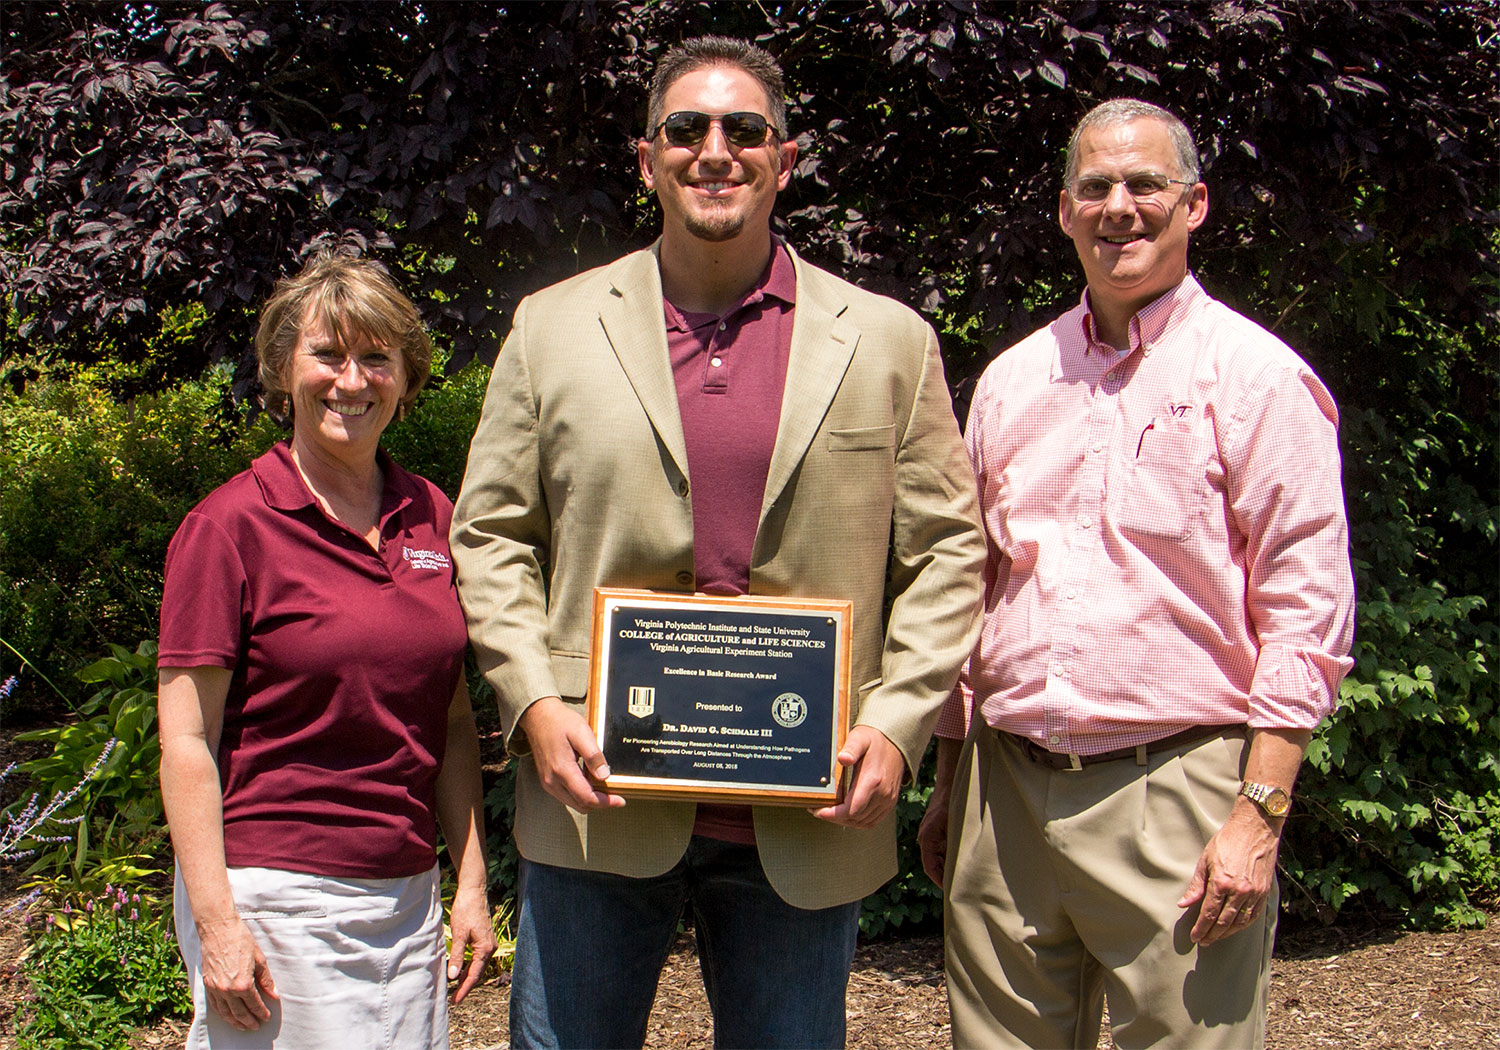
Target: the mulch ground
pixel 1329 988
pixel 1370 988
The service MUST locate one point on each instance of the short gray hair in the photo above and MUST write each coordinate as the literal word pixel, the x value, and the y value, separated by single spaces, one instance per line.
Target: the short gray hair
pixel 704 51
pixel 1122 111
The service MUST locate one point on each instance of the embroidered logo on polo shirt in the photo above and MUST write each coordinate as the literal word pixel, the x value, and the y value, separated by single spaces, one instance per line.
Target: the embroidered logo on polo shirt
pixel 426 559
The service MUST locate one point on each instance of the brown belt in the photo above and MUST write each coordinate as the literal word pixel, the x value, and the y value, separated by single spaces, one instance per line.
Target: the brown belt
pixel 1057 760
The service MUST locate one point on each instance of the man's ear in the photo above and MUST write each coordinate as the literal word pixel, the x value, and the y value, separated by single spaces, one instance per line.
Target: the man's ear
pixel 1065 212
pixel 646 156
pixel 1197 207
pixel 786 155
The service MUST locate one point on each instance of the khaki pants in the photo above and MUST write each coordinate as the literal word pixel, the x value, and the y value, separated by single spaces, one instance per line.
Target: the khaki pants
pixel 1063 887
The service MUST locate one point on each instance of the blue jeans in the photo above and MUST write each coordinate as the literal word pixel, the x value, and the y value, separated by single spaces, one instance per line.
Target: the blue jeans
pixel 591 945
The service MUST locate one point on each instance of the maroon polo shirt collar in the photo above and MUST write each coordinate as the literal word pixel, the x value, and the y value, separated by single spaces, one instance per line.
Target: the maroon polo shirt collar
pixel 283 488
pixel 779 281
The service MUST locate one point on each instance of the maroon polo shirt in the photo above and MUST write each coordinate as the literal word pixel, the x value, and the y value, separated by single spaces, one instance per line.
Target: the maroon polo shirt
pixel 345 661
pixel 730 373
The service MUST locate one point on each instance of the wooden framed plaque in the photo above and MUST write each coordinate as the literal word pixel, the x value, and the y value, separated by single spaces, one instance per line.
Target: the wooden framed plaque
pixel 721 699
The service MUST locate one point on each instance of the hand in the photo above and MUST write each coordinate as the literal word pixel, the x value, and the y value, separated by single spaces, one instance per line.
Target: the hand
pixel 878 769
pixel 1233 875
pixel 469 923
pixel 932 836
pixel 560 739
pixel 236 979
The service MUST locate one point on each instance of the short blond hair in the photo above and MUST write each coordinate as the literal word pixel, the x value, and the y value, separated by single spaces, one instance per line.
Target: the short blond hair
pixel 348 296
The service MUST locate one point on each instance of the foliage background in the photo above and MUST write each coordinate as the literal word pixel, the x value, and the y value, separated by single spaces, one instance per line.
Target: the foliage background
pixel 163 164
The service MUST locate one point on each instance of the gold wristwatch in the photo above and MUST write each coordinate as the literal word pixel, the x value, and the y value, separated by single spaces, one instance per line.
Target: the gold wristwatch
pixel 1274 800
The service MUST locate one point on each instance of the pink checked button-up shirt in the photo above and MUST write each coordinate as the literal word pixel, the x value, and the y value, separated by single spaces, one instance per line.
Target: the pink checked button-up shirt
pixel 1166 532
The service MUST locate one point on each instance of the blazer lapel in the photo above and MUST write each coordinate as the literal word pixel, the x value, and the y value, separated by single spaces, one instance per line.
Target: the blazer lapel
pixel 633 323
pixel 823 344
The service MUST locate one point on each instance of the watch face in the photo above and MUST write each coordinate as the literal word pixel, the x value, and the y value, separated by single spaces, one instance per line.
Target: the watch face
pixel 1277 803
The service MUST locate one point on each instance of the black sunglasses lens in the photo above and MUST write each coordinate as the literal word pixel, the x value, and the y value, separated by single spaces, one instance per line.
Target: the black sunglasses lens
pixel 744 129
pixel 687 128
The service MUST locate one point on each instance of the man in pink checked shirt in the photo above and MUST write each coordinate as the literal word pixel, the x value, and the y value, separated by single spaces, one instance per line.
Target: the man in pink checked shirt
pixel 1168 614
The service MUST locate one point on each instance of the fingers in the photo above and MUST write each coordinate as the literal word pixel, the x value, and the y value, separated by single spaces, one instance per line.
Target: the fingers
pixel 243 1009
pixel 469 921
pixel 1229 903
pixel 1196 885
pixel 236 978
pixel 263 979
pixel 1233 917
pixel 932 839
pixel 479 958
pixel 560 740
pixel 874 783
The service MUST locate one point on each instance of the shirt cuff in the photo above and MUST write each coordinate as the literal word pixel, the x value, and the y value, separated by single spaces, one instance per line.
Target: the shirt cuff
pixel 1295 688
pixel 958 709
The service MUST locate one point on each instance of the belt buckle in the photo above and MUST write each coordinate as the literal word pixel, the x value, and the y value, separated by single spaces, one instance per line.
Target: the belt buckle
pixel 1075 764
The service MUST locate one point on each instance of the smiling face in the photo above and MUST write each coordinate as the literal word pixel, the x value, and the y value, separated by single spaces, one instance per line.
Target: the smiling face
pixel 715 190
pixel 1132 250
pixel 342 396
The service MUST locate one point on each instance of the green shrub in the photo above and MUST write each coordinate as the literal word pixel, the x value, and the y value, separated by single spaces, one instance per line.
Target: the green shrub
pixel 909 902
pixel 1401 798
pixel 101 967
pixel 121 825
pixel 91 491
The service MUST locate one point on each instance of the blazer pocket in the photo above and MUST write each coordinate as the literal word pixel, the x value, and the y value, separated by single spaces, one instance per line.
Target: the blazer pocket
pixel 862 439
pixel 571 672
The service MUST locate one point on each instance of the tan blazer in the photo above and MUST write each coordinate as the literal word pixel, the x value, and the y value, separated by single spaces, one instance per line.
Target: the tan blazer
pixel 577 477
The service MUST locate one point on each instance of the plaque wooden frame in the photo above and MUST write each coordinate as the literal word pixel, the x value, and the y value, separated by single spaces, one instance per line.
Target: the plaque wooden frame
pixel 748 660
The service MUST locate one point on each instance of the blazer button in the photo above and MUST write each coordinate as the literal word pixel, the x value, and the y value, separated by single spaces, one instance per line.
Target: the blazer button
pixel 682 487
pixel 685 579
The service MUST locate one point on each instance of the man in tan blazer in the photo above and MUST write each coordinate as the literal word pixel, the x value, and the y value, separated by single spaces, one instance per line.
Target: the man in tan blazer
pixel 711 414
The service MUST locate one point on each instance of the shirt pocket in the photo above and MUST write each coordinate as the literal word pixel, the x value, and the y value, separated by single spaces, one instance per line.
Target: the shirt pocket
pixel 1165 490
pixel 862 439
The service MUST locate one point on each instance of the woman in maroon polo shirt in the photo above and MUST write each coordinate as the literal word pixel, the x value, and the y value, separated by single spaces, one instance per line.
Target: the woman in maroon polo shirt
pixel 315 724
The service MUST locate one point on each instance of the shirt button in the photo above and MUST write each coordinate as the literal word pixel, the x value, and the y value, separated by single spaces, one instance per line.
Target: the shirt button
pixel 1085 521
pixel 1057 669
pixel 1072 594
pixel 1054 739
pixel 682 487
pixel 722 326
pixel 716 361
pixel 685 579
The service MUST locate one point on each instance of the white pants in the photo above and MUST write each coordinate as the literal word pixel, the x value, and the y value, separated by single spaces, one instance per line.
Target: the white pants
pixel 357 962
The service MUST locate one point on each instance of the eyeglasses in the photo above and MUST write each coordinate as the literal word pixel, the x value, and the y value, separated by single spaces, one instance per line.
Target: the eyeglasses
pixel 688 128
pixel 1092 189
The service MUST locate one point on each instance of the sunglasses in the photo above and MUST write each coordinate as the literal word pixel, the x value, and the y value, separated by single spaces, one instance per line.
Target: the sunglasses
pixel 688 128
